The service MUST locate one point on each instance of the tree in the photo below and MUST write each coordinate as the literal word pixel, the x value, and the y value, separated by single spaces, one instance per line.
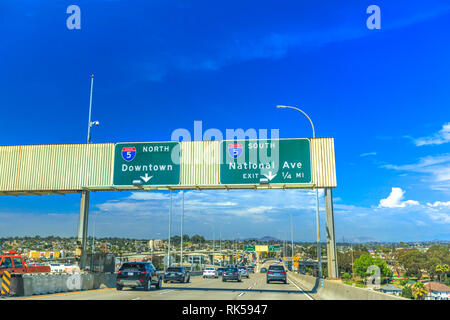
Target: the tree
pixel 437 255
pixel 407 292
pixel 442 269
pixel 345 259
pixel 197 239
pixel 419 291
pixel 362 264
pixel 413 261
pixel 365 261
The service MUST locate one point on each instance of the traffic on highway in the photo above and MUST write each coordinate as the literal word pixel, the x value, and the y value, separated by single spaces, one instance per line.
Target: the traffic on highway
pixel 139 281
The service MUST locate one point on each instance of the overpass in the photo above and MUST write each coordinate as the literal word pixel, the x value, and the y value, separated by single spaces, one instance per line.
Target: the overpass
pixel 197 165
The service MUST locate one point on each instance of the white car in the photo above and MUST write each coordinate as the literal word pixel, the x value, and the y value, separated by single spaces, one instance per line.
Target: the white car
pixel 210 272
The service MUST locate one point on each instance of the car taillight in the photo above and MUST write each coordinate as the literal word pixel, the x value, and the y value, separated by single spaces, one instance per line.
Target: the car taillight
pixel 225 273
pixel 143 272
pixel 236 273
pixel 283 272
pixel 269 271
pixel 120 272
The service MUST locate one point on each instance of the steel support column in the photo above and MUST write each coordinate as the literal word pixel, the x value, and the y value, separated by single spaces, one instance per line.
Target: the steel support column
pixel 331 235
pixel 83 228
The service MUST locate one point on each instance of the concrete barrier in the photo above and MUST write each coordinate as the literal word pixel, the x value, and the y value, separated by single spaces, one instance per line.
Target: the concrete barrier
pixel 332 290
pixel 52 280
pixel 38 284
pixel 41 283
pixel 27 284
pixel 104 280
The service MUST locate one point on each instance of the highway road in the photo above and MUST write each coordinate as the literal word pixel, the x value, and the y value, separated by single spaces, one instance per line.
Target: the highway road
pixel 254 288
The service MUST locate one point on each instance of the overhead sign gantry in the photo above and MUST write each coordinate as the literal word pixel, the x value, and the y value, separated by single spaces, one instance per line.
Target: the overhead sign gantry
pixel 186 165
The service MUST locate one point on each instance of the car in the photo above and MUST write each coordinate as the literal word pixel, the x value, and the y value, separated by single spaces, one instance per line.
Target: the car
pixel 138 274
pixel 244 272
pixel 263 270
pixel 179 274
pixel 276 272
pixel 251 269
pixel 231 274
pixel 210 272
pixel 220 271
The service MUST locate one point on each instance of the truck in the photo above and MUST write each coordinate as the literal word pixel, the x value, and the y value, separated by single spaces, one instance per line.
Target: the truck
pixel 13 262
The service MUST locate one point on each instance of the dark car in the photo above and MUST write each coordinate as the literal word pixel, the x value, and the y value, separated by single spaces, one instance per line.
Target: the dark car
pixel 220 271
pixel 251 269
pixel 276 272
pixel 179 274
pixel 231 274
pixel 138 274
pixel 263 270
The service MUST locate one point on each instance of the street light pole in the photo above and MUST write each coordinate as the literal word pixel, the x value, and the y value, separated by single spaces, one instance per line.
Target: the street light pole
pixel 170 222
pixel 319 251
pixel 84 203
pixel 292 238
pixel 182 222
pixel 220 246
pixel 93 240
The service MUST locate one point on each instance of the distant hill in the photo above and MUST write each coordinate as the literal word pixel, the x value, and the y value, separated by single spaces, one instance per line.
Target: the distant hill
pixel 263 239
pixel 362 239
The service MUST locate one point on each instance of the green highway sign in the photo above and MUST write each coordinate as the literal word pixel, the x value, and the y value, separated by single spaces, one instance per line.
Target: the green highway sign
pixel 282 161
pixel 150 163
pixel 249 248
pixel 273 248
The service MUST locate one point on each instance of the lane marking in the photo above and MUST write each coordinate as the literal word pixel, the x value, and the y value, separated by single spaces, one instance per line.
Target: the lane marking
pixel 166 291
pixel 138 298
pixel 241 294
pixel 310 298
pixel 63 293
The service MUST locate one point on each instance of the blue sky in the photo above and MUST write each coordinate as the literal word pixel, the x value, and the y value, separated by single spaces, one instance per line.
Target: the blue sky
pixel 161 65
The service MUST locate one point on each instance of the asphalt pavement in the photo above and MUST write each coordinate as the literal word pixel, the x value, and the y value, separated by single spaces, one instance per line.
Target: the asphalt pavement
pixel 254 288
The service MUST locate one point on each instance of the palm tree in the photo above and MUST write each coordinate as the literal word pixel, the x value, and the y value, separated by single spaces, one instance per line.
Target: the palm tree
pixel 446 269
pixel 419 290
pixel 442 269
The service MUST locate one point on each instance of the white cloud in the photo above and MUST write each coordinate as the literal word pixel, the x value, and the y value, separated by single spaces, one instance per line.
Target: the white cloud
pixel 439 204
pixel 438 167
pixel 148 196
pixel 443 136
pixel 439 216
pixel 368 154
pixel 259 209
pixel 394 200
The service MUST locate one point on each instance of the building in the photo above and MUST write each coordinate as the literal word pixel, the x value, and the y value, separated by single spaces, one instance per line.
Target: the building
pixel 44 254
pixel 391 289
pixel 437 291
